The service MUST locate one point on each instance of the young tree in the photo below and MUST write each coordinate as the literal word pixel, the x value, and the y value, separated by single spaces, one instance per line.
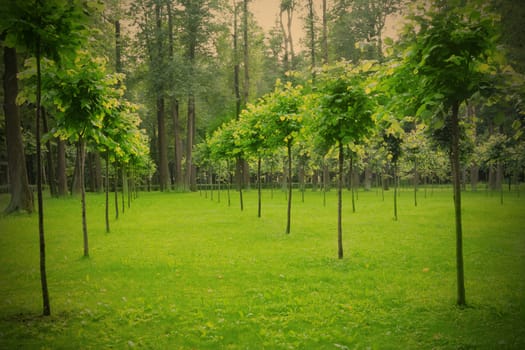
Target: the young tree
pixel 345 115
pixel 450 53
pixel 45 29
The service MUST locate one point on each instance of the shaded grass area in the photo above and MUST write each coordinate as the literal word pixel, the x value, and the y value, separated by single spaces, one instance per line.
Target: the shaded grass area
pixel 181 271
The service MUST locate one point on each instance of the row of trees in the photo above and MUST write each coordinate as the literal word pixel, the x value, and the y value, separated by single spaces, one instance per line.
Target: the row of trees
pixel 191 66
pixel 75 88
pixel 446 58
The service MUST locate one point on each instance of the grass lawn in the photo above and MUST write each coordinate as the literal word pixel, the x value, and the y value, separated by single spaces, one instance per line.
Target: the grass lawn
pixel 182 271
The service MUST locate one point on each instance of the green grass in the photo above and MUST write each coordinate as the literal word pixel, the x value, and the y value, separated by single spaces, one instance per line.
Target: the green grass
pixel 180 271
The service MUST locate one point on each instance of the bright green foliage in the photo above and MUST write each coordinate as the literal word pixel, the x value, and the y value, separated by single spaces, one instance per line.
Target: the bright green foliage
pixel 54 28
pixel 451 52
pixel 345 109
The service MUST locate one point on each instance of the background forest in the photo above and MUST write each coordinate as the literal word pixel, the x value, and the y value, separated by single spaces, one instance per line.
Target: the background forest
pixel 189 66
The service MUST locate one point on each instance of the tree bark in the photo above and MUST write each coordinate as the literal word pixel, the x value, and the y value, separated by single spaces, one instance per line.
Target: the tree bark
pixel 324 42
pixel 177 168
pixel 164 173
pixel 259 186
pixel 61 168
pixel 49 157
pixel 21 195
pixel 289 212
pixel 41 234
pixel 340 203
pixel 81 155
pixel 190 130
pixel 107 191
pixel 456 181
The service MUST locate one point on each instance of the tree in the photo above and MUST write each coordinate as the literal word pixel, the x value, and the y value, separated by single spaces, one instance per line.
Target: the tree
pixel 21 195
pixel 450 53
pixel 282 125
pixel 44 29
pixel 345 115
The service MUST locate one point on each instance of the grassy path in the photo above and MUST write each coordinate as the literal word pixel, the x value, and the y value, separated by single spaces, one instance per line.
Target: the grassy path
pixel 180 271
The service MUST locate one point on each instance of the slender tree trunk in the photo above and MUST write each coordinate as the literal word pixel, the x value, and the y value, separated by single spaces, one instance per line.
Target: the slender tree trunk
pixel 107 191
pixel 163 147
pixel 115 182
pixel 241 201
pixel 61 168
pixel 454 154
pixel 351 176
pixel 259 186
pixel 190 173
pixel 42 244
pixel 81 155
pixel 324 42
pixel 395 190
pixel 289 213
pixel 340 203
pixel 311 32
pixel 179 180
pixel 21 195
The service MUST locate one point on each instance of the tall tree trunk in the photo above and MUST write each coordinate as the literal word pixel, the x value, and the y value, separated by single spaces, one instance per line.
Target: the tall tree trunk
pixel 107 191
pixel 340 203
pixel 115 188
pixel 311 32
pixel 456 181
pixel 41 234
pixel 61 168
pixel 190 129
pixel 177 168
pixel 259 186
pixel 324 42
pixel 395 190
pixel 416 180
pixel 75 183
pixel 21 196
pixel 81 149
pixel 289 212
pixel 97 163
pixel 164 173
pixel 49 158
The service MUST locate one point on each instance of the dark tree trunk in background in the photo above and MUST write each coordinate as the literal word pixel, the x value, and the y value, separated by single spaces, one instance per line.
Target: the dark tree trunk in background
pixel 49 157
pixel 177 167
pixel 190 180
pixel 61 168
pixel 107 191
pixel 164 173
pixel 259 186
pixel 456 181
pixel 21 196
pixel 324 41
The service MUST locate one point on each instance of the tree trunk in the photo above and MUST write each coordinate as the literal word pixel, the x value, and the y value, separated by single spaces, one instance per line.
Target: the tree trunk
pixel 324 42
pixel 164 174
pixel 289 213
pixel 49 157
pixel 61 168
pixel 177 168
pixel 259 187
pixel 81 154
pixel 107 191
pixel 190 173
pixel 241 201
pixel 21 195
pixel 456 181
pixel 311 32
pixel 395 190
pixel 415 182
pixel 340 203
pixel 42 244
pixel 115 188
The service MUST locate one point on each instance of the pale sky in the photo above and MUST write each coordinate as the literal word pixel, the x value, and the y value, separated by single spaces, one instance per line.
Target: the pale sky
pixel 266 11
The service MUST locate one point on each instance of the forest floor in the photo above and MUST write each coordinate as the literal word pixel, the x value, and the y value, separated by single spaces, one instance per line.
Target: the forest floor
pixel 183 271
